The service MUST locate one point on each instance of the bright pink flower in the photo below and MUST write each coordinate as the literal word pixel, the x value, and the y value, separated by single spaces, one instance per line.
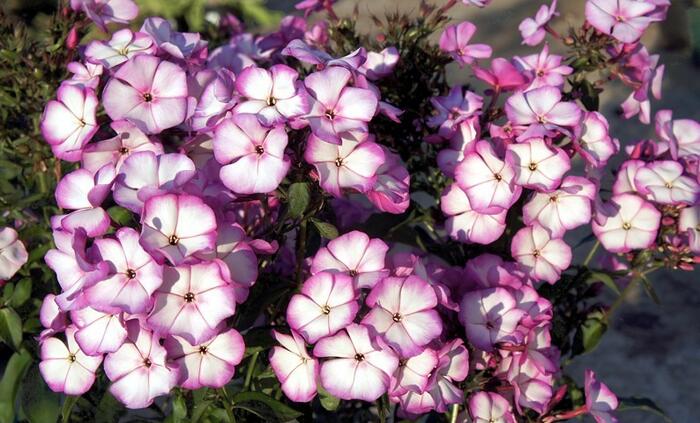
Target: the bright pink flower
pixel 102 12
pixel 502 75
pixel 252 155
pixel 191 302
pixel 681 135
pixel 663 182
pixel 65 368
pixel 296 370
pixel 138 370
pixel 115 150
pixel 544 69
pixel 542 107
pixel 455 41
pixel 487 180
pixel 453 109
pixel 327 303
pixel 564 209
pixel 489 316
pixel 13 255
pixel 592 140
pixel 625 20
pixel 177 226
pixel 98 332
pixel 68 122
pixel 352 352
pixel 273 95
pixel 414 373
pixel 351 164
pixel 179 45
pixel 149 92
pixel 488 407
pixel 81 189
pixel 390 192
pixel 123 45
pixel 210 364
pixel 355 254
pixel 403 312
pixel 537 165
pixel 543 255
pixel 337 109
pixel 600 400
pixel 626 223
pixel 533 29
pixel 465 224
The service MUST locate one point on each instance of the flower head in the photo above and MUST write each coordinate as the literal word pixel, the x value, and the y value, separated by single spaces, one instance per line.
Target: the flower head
pixel 296 370
pixel 68 122
pixel 65 367
pixel 543 255
pixel 626 223
pixel 455 41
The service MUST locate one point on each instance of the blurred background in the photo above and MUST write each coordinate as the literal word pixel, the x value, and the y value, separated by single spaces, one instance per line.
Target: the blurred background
pixel 651 350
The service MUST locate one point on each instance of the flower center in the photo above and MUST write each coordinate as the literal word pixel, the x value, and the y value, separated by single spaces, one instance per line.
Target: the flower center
pixel 123 150
pixel 203 349
pixel 189 297
pixel 396 317
pixel 540 73
pixel 81 122
pixel 541 119
pixel 147 362
pixel 325 309
pixel 71 358
pixel 536 253
pixel 359 357
pixel 339 162
pixel 498 177
pixel 130 273
pixel 352 273
pixel 147 97
pixel 259 149
pixel 402 362
pixel 619 18
pixel 532 166
pixel 626 226
pixel 173 240
pixel 668 185
pixel 553 199
pixel 271 101
pixel 330 114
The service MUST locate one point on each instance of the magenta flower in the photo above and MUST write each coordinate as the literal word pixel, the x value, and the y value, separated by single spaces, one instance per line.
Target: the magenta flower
pixel 403 312
pixel 453 109
pixel 543 255
pixel 600 400
pixel 564 209
pixel 68 122
pixel 123 45
pixel 13 255
pixel 455 41
pixel 537 165
pixel 533 29
pixel 327 303
pixel 356 255
pixel 296 370
pixel 352 352
pixel 489 316
pixel 273 95
pixel 191 302
pixel 544 69
pixel 98 332
pixel 116 150
pixel 625 20
pixel 465 224
pixel 149 92
pixel 336 109
pixel 542 107
pixel 626 223
pixel 138 370
pixel 351 164
pixel 502 75
pixel 413 373
pixel 210 364
pixel 663 181
pixel 177 226
pixel 252 155
pixel 487 180
pixel 593 141
pixel 487 407
pixel 102 12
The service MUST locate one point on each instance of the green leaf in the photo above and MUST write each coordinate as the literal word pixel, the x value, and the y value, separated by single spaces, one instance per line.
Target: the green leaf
pixel 22 292
pixel 589 334
pixel 179 409
pixel 39 404
pixel 265 405
pixel 199 410
pixel 9 384
pixel 299 197
pixel 325 229
pixel 68 405
pixel 605 278
pixel 636 403
pixel 120 215
pixel 10 327
pixel 108 410
pixel 649 289
pixel 328 401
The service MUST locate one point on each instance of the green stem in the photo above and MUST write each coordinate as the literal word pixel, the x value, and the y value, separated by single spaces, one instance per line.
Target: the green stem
pixel 591 253
pixel 625 292
pixel 301 250
pixel 454 412
pixel 228 405
pixel 249 371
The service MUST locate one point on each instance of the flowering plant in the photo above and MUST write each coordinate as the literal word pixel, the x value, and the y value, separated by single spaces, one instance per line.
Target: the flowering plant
pixel 312 221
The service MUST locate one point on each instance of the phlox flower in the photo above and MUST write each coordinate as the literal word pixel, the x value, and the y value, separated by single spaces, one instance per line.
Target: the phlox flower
pixel 413 373
pixel 66 368
pixel 179 45
pixel 543 255
pixel 538 165
pixel 356 255
pixel 532 388
pixel 252 155
pixel 129 139
pixel 452 109
pixel 123 45
pixel 681 135
pixel 80 189
pixel 627 222
pixel 465 224
pixel 191 302
pixel 326 303
pixel 542 108
pixel 149 92
pixel 600 400
pixel 296 370
pixel 477 3
pixel 489 316
pixel 351 164
pixel 533 29
pixel 51 317
pixel 564 209
pixel 310 6
pixel 455 41
pixel 13 254
pixel 380 64
pixel 272 95
pixel 215 94
pixel 689 222
pixel 68 122
pixel 501 76
pixel 488 407
pixel 625 177
pixel 303 52
pixel 138 370
pixel 403 312
pixel 390 192
pixel 663 181
pixel 544 69
pixel 337 109
pixel 85 75
pixel 177 226
pixel 209 364
pixel 462 142
pixel 102 12
pixel 625 20
pixel 98 332
pixel 592 140
pixel 367 367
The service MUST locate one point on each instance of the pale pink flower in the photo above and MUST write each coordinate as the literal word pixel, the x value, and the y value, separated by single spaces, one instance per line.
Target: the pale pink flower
pixel 663 182
pixel 624 183
pixel 123 45
pixel 326 303
pixel 98 332
pixel 593 141
pixel 538 165
pixel 116 150
pixel 413 373
pixel 138 370
pixel 356 255
pixel 681 135
pixel 403 312
pixel 452 109
pixel 179 45
pixel 625 20
pixel 533 29
pixel 216 97
pixel 544 69
pixel 65 367
pixel 627 222
pixel 84 75
pixel 564 209
pixel 689 223
pixel 51 317
pixel 600 400
pixel 149 92
pixel 477 3
pixel 13 254
pixel 296 370
pixel 300 50
pixel 209 364
pixel 455 41
pixel 489 407
pixel 381 64
pixel 68 122
pixel 352 352
pixel 390 192
pixel 542 107
pixel 252 155
pixel 543 255
pixel 191 302
pixel 102 12
pixel 80 189
pixel 465 224
pixel 489 316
